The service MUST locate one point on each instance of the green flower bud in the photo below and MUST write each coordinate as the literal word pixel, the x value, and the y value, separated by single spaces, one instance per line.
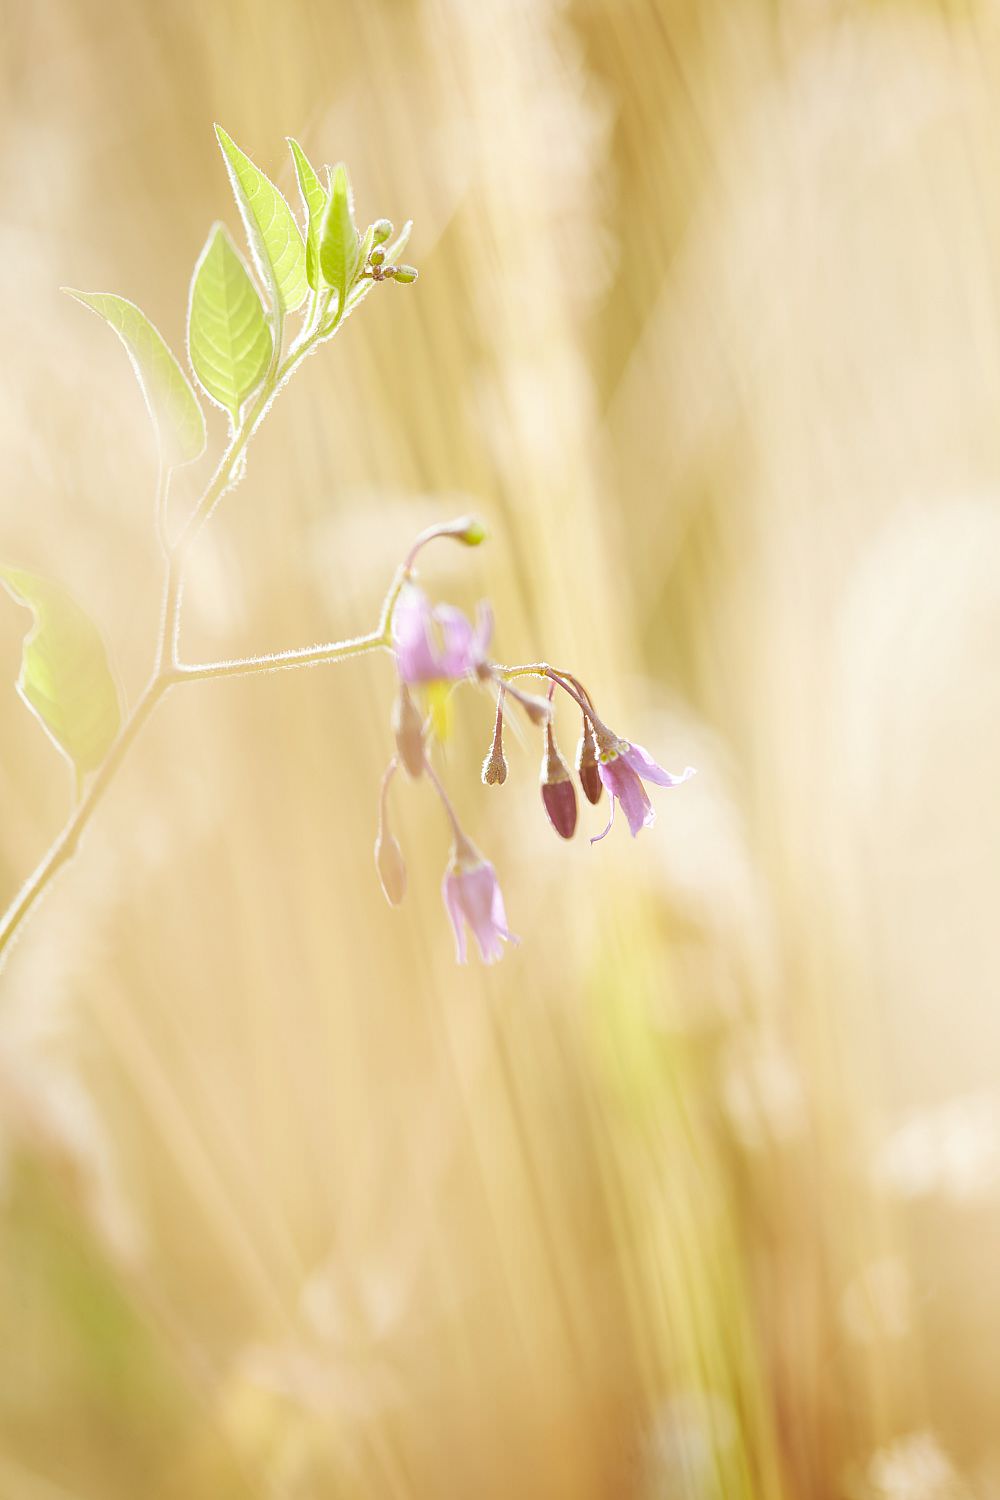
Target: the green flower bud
pixel 473 534
pixel 468 530
pixel 377 257
pixel 404 273
pixel 381 230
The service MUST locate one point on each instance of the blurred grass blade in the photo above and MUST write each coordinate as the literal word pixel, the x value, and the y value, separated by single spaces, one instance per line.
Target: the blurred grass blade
pixel 65 677
pixel 172 404
pixel 229 339
pixel 338 237
pixel 314 202
pixel 275 240
pixel 399 244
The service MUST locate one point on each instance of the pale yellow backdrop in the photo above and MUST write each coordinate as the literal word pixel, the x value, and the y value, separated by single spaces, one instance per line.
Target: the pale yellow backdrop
pixel 696 1194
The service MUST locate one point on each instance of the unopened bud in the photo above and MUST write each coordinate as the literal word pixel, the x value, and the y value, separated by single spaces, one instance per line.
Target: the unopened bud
pixel 381 230
pixel 408 729
pixel 495 765
pixel 472 532
pixel 404 273
pixel 376 257
pixel 390 866
pixel 558 792
pixel 468 530
pixel 587 764
pixel 537 709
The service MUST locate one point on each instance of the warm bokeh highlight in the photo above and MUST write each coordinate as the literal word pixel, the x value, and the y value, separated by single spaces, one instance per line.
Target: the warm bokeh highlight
pixel 696 1194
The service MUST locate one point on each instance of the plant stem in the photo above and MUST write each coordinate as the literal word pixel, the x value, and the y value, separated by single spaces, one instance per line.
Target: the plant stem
pixel 565 680
pixel 462 844
pixel 66 843
pixel 167 670
pixel 309 656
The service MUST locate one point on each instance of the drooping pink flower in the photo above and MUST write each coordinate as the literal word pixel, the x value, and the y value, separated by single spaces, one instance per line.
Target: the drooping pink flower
pixel 472 895
pixel 437 643
pixel 623 768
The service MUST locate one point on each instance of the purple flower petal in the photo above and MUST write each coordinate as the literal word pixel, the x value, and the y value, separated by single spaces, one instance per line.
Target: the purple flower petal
pixel 437 644
pixel 411 630
pixel 643 763
pixel 596 839
pixel 455 658
pixel 472 895
pixel 450 890
pixel 623 783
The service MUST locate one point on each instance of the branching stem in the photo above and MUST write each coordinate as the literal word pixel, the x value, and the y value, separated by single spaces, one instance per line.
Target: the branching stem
pixel 565 680
pixel 168 670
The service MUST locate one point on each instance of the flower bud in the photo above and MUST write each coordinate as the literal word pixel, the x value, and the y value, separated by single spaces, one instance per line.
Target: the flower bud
pixel 403 273
pixel 473 533
pixel 381 230
pixel 470 531
pixel 587 764
pixel 408 729
pixel 558 792
pixel 537 709
pixel 390 866
pixel 495 765
pixel 376 257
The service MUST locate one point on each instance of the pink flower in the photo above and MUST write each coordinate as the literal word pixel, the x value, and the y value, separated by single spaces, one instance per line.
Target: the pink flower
pixel 472 895
pixel 623 768
pixel 439 643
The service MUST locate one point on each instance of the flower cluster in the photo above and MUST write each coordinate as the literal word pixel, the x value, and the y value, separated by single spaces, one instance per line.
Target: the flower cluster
pixel 436 647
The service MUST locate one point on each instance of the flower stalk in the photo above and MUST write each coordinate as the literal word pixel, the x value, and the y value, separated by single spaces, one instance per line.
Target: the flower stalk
pixel 435 646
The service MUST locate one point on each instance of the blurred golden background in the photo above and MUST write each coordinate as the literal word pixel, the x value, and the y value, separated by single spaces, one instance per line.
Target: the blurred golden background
pixel 696 1194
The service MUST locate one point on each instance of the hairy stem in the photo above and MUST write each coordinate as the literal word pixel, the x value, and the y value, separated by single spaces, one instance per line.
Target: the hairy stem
pixel 565 680
pixel 278 661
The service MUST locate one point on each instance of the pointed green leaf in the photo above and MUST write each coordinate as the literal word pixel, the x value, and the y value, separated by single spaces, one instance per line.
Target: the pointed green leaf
pixel 172 404
pixel 313 196
pixel 275 240
pixel 65 677
pixel 229 338
pixel 338 238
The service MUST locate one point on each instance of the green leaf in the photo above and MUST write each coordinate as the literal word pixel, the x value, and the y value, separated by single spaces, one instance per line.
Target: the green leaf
pixel 338 238
pixel 172 404
pixel 313 196
pixel 229 339
pixel 65 677
pixel 275 240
